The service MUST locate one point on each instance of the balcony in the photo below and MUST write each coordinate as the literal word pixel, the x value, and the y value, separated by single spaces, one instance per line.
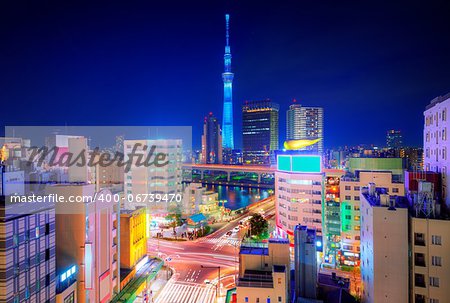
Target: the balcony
pixel 419 280
pixel 419 259
pixel 419 239
pixel 419 298
pixel 114 249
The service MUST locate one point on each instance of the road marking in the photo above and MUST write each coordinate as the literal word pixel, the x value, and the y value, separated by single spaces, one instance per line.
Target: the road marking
pixel 176 292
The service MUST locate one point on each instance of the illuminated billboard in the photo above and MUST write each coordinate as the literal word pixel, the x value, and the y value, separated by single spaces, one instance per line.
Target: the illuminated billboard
pixel 299 163
pixel 88 265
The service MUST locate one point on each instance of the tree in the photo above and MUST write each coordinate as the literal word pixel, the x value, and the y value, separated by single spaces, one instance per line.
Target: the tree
pixel 258 225
pixel 175 220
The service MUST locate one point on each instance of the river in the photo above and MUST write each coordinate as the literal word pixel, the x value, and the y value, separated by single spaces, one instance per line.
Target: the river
pixel 239 197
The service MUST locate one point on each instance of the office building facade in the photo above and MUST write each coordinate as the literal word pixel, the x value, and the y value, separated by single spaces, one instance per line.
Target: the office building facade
pixel 151 180
pixel 211 141
pixel 350 188
pixel 305 123
pixel 298 192
pixel 259 131
pixel 27 253
pixel 394 139
pixel 88 235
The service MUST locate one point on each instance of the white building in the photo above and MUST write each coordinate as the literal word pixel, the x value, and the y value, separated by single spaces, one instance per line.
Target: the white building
pixel 436 143
pixel 146 182
pixel 298 192
pixel 384 246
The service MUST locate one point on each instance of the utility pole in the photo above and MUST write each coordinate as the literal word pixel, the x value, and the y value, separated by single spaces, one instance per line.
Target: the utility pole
pixel 218 281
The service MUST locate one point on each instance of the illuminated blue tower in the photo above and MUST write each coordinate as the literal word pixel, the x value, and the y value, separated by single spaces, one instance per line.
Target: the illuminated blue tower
pixel 227 77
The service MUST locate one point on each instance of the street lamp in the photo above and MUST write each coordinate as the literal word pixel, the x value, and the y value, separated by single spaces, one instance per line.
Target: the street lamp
pixel 167 259
pixel 218 281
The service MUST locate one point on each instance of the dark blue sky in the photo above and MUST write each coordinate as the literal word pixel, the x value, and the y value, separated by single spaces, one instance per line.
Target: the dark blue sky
pixel 371 65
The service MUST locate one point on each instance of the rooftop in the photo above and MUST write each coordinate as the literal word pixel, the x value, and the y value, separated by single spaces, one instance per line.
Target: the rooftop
pixel 377 198
pixel 254 250
pixel 355 177
pixel 10 210
pixel 438 100
pixel 279 240
pixel 256 278
pixel 279 268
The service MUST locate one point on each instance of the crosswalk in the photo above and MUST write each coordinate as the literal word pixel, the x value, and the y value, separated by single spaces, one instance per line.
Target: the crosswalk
pixel 219 242
pixel 182 292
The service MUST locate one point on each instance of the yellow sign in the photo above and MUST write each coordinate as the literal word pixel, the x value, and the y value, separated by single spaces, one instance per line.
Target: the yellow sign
pixel 299 144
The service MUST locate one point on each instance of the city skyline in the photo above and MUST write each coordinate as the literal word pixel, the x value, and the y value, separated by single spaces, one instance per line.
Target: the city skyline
pixel 280 56
pixel 127 174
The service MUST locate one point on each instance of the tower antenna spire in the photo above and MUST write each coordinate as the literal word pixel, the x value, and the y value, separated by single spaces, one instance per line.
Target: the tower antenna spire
pixel 227 30
pixel 227 77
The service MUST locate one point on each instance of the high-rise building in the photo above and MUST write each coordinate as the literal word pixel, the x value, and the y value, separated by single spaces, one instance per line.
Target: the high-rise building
pixel 259 131
pixel 142 181
pixel 394 139
pixel 227 77
pixel 436 143
pixel 298 192
pixel 413 157
pixel 87 233
pixel 305 123
pixel 384 246
pixel 350 188
pixel 232 156
pixel 27 253
pixel 305 260
pixel 211 141
pixel 331 209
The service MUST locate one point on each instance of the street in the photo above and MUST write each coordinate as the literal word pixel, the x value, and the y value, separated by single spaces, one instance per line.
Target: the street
pixel 191 282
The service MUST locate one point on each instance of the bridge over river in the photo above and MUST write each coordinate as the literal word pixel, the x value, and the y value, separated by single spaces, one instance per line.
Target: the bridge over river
pixel 237 175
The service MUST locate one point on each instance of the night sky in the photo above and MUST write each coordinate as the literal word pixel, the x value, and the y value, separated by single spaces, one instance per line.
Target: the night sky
pixel 373 66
